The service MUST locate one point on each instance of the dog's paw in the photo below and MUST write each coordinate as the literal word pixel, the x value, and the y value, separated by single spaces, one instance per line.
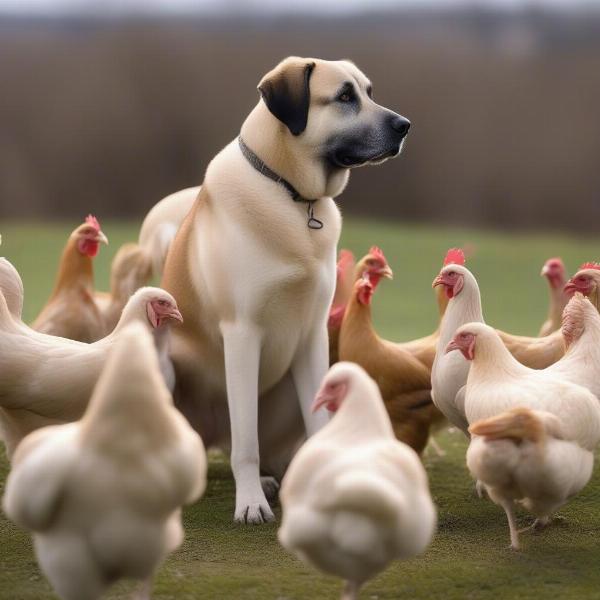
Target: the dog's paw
pixel 270 487
pixel 254 514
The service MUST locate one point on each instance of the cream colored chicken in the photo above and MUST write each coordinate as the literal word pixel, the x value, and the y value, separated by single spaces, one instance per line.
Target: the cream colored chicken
pixel 354 498
pixel 526 457
pixel 555 273
pixel 103 496
pixel 497 382
pixel 581 332
pixel 48 380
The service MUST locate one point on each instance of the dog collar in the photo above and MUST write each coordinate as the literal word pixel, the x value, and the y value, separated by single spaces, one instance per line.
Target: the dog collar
pixel 263 169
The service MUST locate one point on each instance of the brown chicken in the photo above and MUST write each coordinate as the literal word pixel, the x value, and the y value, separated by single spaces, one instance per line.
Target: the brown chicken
pixel 403 380
pixel 130 270
pixel 375 265
pixel 71 310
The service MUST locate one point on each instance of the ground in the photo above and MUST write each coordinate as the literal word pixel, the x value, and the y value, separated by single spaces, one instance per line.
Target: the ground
pixel 469 557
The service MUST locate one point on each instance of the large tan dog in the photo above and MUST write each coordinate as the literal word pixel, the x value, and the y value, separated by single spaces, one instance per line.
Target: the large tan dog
pixel 252 266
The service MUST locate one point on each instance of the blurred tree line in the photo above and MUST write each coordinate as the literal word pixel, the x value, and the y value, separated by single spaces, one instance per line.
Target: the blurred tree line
pixel 108 116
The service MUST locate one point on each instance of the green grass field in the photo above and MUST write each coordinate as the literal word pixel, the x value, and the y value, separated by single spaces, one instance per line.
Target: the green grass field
pixel 469 557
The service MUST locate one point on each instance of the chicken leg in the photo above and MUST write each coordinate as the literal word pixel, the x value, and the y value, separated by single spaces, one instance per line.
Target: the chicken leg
pixel 509 509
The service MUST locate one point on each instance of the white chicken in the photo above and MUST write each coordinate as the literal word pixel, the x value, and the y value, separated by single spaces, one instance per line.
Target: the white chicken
pixel 525 456
pixel 355 498
pixel 449 371
pixel 48 380
pixel 586 281
pixel 497 382
pixel 103 496
pixel 581 332
pixel 556 274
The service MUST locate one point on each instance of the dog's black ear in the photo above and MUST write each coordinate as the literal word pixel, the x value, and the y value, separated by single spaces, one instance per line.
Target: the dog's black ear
pixel 286 92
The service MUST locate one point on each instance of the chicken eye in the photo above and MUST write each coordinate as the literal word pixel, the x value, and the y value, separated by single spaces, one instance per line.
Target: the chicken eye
pixel 162 302
pixel 451 274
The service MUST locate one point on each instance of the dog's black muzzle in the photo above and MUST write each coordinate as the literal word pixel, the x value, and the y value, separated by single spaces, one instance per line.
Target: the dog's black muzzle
pixel 368 144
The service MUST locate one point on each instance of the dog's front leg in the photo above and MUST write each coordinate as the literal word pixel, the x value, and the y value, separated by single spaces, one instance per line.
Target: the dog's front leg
pixel 308 369
pixel 242 357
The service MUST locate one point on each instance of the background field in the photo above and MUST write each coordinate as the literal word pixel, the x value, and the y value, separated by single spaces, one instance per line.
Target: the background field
pixel 469 558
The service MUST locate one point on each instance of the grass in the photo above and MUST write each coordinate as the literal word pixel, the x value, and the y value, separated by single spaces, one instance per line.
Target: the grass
pixel 469 557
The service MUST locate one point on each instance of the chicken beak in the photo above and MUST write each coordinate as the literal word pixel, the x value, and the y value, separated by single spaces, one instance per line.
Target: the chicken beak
pixel 328 398
pixel 320 400
pixel 387 272
pixel 437 281
pixel 545 270
pixel 570 287
pixel 175 315
pixel 452 345
pixel 101 238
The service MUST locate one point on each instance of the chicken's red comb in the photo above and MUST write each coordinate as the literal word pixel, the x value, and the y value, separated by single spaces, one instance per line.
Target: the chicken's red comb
pixel 590 265
pixel 93 222
pixel 454 256
pixel 377 252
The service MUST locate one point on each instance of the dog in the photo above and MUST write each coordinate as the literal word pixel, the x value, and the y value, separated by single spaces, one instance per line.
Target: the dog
pixel 252 266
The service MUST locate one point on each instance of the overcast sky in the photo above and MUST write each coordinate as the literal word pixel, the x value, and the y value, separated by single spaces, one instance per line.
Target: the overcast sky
pixel 179 6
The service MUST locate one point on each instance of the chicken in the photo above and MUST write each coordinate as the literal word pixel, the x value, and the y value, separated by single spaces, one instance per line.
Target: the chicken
pixel 449 372
pixel 71 310
pixel 587 282
pixel 375 264
pixel 354 498
pixel 581 332
pixel 525 456
pixel 497 382
pixel 48 380
pixel 343 288
pixel 103 496
pixel 404 382
pixel 554 271
pixel 130 270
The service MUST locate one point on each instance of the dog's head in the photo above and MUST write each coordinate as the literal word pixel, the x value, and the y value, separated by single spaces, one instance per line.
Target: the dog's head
pixel 327 109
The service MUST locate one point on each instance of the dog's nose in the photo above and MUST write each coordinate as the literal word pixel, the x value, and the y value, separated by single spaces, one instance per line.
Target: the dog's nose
pixel 400 124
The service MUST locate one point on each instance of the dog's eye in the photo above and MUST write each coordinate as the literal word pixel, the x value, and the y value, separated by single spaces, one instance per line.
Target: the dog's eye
pixel 345 97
